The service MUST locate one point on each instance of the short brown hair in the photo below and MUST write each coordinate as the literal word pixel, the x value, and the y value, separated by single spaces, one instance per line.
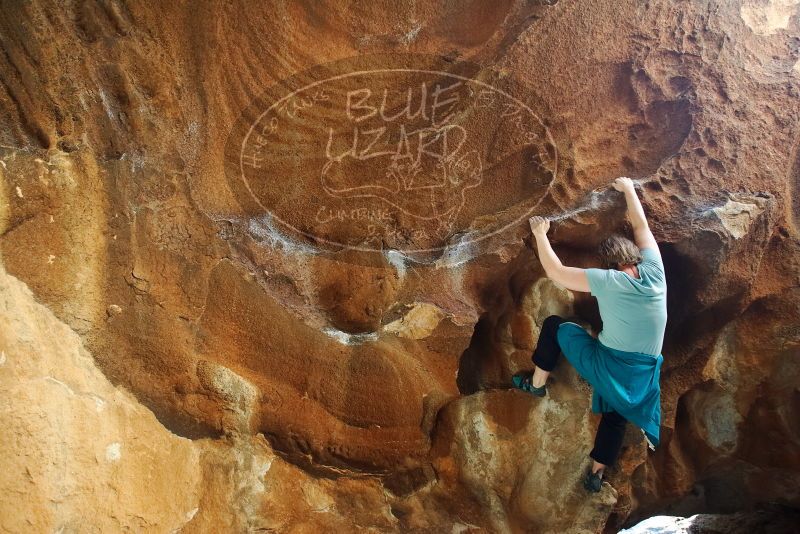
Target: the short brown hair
pixel 616 251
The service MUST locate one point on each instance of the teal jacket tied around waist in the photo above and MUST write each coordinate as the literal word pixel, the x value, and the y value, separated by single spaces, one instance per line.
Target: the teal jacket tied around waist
pixel 625 382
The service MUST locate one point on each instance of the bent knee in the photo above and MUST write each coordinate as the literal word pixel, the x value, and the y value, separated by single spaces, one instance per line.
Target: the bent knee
pixel 552 323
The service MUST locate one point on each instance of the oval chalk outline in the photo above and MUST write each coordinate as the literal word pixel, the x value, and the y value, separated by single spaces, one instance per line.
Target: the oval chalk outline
pixel 316 238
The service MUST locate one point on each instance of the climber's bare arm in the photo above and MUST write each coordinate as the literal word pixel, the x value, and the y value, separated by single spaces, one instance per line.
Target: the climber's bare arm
pixel 642 235
pixel 570 277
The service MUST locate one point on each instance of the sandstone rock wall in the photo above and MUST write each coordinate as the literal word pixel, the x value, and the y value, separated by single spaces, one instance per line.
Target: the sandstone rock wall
pixel 298 386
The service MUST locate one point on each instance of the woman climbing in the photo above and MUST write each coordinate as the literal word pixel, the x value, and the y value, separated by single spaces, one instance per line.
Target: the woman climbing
pixel 623 364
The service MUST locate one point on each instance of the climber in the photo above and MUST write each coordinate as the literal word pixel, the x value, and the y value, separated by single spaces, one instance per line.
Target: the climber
pixel 623 363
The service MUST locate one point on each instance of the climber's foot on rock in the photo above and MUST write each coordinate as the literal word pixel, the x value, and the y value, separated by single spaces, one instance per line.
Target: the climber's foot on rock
pixel 523 381
pixel 593 481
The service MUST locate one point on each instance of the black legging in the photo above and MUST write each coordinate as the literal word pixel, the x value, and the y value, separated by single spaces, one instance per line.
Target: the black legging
pixel 608 440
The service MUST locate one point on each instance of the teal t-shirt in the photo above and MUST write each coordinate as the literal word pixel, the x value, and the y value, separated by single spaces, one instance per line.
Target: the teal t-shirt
pixel 634 311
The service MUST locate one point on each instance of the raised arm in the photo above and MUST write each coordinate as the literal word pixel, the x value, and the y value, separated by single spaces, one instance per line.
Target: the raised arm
pixel 570 277
pixel 642 235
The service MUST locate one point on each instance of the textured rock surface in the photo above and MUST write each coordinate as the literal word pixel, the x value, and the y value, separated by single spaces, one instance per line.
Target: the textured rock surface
pixel 73 443
pixel 299 388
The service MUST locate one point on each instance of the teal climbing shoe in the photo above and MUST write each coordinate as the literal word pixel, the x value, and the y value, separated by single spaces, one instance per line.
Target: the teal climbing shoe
pixel 523 382
pixel 593 482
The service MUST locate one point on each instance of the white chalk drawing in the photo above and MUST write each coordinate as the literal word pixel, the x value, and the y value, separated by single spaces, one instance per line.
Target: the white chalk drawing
pixel 368 160
pixel 453 173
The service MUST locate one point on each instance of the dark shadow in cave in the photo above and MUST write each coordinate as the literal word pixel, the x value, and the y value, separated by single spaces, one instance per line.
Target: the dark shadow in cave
pixel 468 378
pixel 689 321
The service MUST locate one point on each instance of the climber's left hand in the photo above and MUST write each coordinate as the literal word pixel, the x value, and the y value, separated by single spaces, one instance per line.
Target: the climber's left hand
pixel 539 226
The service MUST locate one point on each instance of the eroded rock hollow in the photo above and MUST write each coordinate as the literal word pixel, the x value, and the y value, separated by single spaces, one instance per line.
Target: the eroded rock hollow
pixel 266 265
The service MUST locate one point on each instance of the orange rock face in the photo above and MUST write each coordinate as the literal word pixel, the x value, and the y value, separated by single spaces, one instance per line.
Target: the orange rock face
pixel 285 245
